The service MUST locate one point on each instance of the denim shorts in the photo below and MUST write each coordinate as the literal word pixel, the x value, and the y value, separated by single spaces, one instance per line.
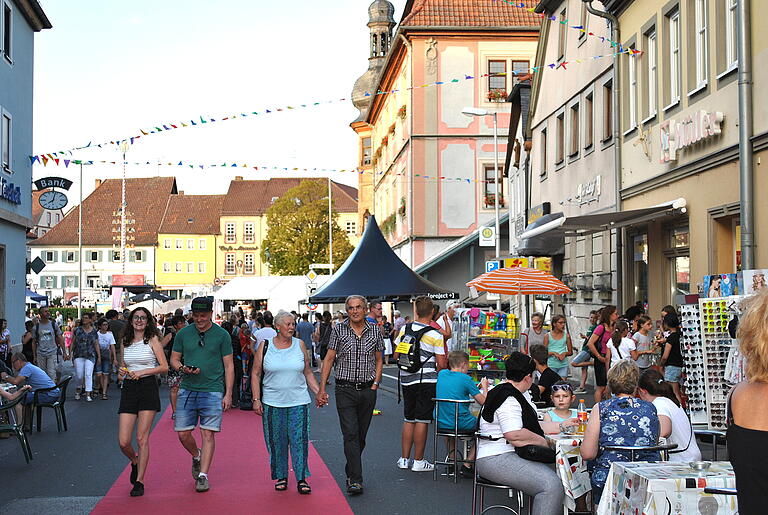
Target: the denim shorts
pixel 582 357
pixel 204 407
pixel 104 368
pixel 562 371
pixel 672 373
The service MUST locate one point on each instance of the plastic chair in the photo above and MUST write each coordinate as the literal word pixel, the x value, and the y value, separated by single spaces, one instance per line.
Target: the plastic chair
pixel 453 433
pixel 708 433
pixel 16 427
pixel 632 449
pixel 479 484
pixel 57 405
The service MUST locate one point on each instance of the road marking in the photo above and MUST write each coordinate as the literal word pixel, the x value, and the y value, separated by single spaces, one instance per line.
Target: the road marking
pixel 389 376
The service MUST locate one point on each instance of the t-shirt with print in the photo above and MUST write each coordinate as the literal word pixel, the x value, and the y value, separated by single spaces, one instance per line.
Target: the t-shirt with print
pixel 431 344
pixel 459 386
pixel 643 342
pixel 37 378
pixel 105 340
pixel 46 333
pixel 207 357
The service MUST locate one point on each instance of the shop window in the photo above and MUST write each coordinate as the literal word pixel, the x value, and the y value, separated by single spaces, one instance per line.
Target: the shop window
pixel 679 263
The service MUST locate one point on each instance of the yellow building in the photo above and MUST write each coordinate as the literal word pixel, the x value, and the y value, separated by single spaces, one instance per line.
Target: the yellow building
pixel 243 222
pixel 186 246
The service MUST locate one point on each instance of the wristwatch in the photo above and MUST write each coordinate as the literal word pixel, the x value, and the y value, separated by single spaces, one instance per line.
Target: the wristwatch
pixel 376 383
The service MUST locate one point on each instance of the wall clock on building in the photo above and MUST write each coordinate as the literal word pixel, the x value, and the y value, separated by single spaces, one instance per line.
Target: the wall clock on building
pixel 53 200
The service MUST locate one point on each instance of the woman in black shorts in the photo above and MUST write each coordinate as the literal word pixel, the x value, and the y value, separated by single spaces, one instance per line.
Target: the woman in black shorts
pixel 143 359
pixel 597 345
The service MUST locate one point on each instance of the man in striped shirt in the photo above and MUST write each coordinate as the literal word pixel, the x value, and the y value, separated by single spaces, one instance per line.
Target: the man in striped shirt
pixel 419 389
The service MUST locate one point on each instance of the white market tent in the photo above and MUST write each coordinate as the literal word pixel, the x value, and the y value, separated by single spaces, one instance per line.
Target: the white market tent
pixel 281 292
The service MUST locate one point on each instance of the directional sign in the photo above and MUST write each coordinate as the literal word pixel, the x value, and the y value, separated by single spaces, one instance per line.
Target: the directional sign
pixel 37 265
pixel 311 275
pixel 311 289
pixel 490 266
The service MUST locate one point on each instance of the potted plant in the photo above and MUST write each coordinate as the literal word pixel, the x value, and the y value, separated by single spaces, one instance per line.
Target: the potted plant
pixel 497 95
pixel 384 141
pixel 401 209
pixel 490 200
pixel 402 112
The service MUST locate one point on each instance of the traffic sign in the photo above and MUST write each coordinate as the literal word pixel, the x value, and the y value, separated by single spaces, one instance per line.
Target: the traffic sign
pixel 490 266
pixel 311 306
pixel 311 275
pixel 321 265
pixel 487 236
pixel 311 289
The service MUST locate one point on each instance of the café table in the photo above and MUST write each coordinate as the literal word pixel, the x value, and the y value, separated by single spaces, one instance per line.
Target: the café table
pixel 667 488
pixel 9 388
pixel 570 467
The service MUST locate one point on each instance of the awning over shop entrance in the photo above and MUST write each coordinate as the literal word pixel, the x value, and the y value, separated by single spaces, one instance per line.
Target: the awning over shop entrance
pixel 557 225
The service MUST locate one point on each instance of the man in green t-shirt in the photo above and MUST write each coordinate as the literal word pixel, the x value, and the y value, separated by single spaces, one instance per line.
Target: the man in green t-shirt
pixel 208 375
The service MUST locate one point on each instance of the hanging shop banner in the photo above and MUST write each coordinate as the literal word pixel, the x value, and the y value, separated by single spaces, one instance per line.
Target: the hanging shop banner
pixel 515 262
pixel 543 263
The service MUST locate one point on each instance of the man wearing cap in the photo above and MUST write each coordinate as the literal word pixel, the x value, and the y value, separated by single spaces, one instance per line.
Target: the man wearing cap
pixel 208 376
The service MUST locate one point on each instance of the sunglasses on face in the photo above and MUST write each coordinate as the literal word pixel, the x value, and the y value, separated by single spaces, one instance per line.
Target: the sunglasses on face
pixel 201 341
pixel 562 388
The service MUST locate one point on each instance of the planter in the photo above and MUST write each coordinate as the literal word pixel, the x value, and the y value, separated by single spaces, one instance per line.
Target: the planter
pixel 497 95
pixel 401 112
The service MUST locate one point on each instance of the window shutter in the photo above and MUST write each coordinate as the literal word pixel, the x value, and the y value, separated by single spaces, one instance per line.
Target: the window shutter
pixel 99 259
pixel 55 256
pixel 53 281
pixel 77 256
pixel 77 281
pixel 132 256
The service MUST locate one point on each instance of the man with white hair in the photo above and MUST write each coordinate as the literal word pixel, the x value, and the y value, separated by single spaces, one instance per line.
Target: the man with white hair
pixel 446 321
pixel 397 323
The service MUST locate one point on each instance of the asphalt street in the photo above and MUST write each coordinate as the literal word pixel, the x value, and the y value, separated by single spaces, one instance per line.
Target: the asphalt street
pixel 73 470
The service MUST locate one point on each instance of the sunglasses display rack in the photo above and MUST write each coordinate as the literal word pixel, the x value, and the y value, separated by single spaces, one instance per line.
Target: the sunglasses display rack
pixel 693 357
pixel 716 343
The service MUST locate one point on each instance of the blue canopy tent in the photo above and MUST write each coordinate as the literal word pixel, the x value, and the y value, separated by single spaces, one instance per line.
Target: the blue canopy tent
pixel 374 271
pixel 36 298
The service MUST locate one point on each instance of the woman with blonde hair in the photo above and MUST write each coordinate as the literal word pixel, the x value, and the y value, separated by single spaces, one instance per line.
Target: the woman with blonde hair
pixel 747 435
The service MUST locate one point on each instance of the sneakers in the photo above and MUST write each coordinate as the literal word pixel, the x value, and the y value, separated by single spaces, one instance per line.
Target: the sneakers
pixel 422 466
pixel 196 465
pixel 201 484
pixel 138 489
pixel 77 395
pixel 579 390
pixel 134 473
pixel 354 488
pixel 88 397
pixel 403 463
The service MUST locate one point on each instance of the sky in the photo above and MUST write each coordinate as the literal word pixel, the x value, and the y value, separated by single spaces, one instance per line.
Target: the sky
pixel 111 67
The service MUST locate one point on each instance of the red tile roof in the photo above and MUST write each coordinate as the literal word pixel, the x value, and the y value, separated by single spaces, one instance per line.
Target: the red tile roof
pixel 470 13
pixel 37 209
pixel 146 199
pixel 253 198
pixel 192 214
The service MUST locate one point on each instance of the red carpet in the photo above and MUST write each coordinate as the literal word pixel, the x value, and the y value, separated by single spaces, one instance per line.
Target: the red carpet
pixel 239 477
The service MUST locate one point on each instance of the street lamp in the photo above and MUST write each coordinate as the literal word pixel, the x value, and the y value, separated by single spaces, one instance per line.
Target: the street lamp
pixel 124 146
pixel 479 112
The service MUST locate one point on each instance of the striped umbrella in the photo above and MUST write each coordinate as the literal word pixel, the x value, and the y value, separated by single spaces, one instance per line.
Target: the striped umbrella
pixel 517 281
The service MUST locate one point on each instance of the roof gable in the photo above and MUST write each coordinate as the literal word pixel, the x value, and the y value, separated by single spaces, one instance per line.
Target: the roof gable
pixel 253 198
pixel 192 214
pixel 468 13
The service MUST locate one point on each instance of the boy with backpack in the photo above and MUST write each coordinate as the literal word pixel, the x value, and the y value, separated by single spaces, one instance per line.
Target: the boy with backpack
pixel 419 355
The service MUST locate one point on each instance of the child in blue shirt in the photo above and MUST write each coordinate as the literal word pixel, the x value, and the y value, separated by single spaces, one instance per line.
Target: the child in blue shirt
pixel 562 398
pixel 456 384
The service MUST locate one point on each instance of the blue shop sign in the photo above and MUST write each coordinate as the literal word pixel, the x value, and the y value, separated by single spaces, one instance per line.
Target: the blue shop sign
pixel 10 192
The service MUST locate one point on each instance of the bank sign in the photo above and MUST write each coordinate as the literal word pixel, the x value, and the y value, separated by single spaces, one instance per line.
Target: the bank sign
pixel 677 135
pixel 9 192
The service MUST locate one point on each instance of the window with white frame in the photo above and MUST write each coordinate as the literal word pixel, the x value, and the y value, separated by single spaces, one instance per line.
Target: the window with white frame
pixel 731 54
pixel 519 68
pixel 700 41
pixel 190 268
pixel 93 256
pixel 351 228
pixel 651 73
pixel 230 232
pixel 7 30
pixel 48 281
pixel 70 281
pixel 575 122
pixel 70 256
pixel 489 179
pixel 497 80
pixel 167 243
pixel 632 80
pixel 190 244
pixel 179 243
pixel 249 229
pixel 49 256
pixel 138 256
pixel 229 264
pixel 115 256
pixel 201 244
pixel 201 267
pixel 248 262
pixel 5 142
pixel 673 56
pixel 179 267
pixel 166 267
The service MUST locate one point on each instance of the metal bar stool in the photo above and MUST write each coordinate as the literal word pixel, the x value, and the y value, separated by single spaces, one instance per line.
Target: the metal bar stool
pixel 632 449
pixel 708 433
pixel 453 433
pixel 479 484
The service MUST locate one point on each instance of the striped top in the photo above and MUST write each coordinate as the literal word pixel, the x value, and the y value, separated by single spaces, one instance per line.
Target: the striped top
pixel 430 345
pixel 139 356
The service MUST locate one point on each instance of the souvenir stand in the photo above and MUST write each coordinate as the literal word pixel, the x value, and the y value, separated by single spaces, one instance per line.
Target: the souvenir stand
pixel 713 363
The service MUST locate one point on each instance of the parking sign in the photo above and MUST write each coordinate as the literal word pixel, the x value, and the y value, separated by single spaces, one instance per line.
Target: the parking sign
pixel 490 266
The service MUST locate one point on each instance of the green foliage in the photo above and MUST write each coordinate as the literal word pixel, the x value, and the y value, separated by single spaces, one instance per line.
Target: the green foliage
pixel 389 225
pixel 67 312
pixel 298 231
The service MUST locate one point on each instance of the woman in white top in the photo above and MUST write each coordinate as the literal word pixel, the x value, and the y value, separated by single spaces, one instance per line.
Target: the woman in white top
pixel 509 417
pixel 143 358
pixel 674 424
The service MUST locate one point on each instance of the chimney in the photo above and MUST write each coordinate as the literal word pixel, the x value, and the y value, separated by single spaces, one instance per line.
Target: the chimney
pixel 181 192
pixel 98 182
pixel 238 177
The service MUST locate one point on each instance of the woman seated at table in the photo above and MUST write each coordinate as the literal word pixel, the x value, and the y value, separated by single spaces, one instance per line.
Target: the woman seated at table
pixel 674 424
pixel 620 420
pixel 509 416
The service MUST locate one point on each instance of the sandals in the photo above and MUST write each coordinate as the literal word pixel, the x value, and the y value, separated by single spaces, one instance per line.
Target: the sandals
pixel 303 487
pixel 103 396
pixel 282 484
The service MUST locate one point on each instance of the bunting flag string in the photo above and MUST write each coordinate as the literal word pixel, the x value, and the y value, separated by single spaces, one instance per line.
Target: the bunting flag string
pixel 165 127
pixel 248 167
pixel 580 28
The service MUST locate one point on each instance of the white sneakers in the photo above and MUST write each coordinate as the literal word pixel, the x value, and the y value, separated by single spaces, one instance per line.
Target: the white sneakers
pixel 422 466
pixel 402 463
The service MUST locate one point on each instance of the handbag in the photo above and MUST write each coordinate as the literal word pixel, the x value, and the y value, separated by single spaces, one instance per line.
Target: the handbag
pixel 537 453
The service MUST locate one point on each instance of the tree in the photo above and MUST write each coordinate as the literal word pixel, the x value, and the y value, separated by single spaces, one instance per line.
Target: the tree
pixel 297 233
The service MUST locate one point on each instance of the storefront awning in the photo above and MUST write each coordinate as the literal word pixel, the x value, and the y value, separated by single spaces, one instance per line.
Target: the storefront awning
pixel 588 224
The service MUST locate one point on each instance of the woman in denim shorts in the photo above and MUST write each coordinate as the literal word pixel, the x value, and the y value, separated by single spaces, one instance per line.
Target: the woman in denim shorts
pixel 108 356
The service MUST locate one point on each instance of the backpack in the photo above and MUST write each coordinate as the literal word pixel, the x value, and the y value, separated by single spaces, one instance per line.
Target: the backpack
pixel 409 349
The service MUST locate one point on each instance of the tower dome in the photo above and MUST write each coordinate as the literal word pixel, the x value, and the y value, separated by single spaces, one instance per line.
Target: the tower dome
pixel 381 11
